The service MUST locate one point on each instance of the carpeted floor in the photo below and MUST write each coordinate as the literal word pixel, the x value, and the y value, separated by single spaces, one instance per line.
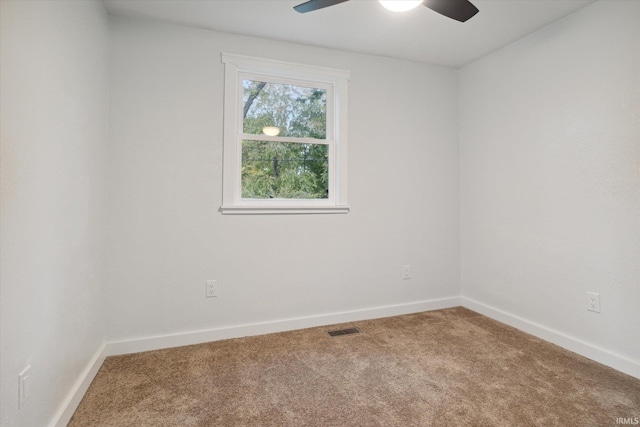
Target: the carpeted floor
pixel 449 367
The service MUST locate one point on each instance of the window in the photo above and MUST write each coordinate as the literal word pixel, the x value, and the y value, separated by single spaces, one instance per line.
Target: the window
pixel 285 137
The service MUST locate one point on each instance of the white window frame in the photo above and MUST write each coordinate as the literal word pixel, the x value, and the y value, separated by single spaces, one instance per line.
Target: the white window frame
pixel 335 82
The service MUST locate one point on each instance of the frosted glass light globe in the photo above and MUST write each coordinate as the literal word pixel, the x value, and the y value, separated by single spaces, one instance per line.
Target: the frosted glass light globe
pixel 400 5
pixel 270 130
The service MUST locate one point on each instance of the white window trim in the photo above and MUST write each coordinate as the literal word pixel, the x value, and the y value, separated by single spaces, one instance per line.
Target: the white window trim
pixel 336 81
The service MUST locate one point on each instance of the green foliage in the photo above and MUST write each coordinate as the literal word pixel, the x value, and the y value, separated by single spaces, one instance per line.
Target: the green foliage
pixel 284 169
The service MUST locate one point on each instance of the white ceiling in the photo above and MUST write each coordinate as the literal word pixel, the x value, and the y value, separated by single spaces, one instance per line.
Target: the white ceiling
pixel 364 25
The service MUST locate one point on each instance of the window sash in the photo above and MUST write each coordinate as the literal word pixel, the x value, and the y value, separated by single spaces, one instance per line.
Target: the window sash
pixel 330 200
pixel 328 87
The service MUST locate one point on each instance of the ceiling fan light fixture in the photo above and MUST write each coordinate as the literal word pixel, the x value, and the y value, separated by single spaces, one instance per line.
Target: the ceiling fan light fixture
pixel 400 5
pixel 271 130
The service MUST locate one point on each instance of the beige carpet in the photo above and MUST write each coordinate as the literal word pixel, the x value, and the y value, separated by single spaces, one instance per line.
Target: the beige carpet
pixel 449 367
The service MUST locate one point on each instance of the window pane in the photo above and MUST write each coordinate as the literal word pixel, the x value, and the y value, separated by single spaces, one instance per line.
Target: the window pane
pixel 284 170
pixel 299 112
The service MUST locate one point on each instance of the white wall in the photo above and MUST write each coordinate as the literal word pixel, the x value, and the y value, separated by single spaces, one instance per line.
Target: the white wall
pixel 166 157
pixel 549 174
pixel 53 178
pixel 550 177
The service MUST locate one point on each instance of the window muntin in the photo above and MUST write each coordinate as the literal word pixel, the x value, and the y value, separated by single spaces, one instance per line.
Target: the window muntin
pixel 300 168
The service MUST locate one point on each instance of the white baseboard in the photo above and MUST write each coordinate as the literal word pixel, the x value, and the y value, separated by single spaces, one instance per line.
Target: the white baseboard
pixel 590 351
pixel 64 414
pixel 198 337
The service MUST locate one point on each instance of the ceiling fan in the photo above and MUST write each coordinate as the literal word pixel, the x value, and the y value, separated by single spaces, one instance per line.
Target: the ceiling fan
pixel 460 10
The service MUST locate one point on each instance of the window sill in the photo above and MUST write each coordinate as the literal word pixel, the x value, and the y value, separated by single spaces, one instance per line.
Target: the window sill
pixel 279 210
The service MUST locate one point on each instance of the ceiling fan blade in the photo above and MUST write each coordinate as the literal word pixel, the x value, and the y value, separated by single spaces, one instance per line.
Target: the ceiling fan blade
pixel 460 10
pixel 312 5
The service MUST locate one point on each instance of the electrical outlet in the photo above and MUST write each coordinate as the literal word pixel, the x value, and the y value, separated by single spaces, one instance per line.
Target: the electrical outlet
pixel 24 386
pixel 211 288
pixel 593 302
pixel 406 272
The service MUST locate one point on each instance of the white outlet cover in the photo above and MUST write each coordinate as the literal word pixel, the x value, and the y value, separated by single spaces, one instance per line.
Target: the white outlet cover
pixel 211 288
pixel 406 272
pixel 593 302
